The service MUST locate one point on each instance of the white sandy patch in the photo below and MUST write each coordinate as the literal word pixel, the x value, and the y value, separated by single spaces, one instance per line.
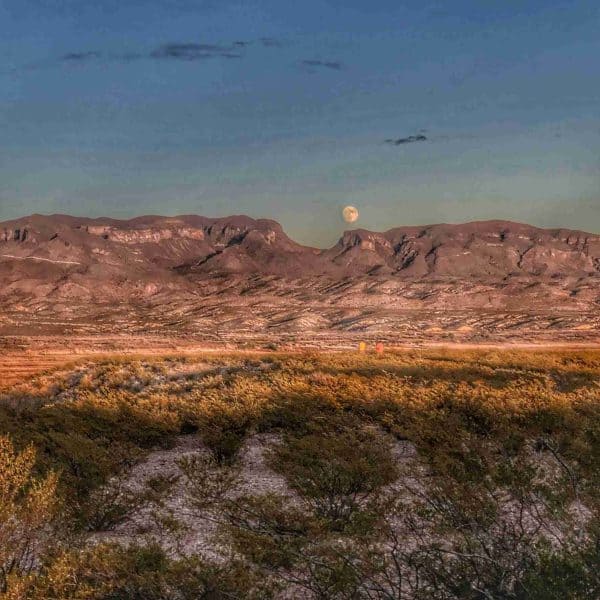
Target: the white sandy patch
pixel 256 476
pixel 198 531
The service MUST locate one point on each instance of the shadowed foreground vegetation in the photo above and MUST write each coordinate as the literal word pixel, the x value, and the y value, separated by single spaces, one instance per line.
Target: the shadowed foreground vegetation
pixel 496 498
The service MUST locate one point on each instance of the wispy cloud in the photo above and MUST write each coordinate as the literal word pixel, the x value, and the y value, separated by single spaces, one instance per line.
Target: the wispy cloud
pixel 411 139
pixel 175 51
pixel 193 51
pixel 323 64
pixel 186 51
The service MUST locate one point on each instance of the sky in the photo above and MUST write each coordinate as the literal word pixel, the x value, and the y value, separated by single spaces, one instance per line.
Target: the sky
pixel 414 111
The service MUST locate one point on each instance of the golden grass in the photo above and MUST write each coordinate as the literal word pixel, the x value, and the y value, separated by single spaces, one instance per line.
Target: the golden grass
pixel 103 409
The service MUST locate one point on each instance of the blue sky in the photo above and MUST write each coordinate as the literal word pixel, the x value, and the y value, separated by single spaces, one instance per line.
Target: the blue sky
pixel 281 109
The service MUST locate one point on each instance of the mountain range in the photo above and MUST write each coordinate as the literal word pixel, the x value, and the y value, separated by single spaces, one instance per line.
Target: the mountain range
pixel 240 279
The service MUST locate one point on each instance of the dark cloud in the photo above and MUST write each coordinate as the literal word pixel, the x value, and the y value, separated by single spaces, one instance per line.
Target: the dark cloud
pixel 84 57
pixel 178 51
pixel 324 64
pixel 411 139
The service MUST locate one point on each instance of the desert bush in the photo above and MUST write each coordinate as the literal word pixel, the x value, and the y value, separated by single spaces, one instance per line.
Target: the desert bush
pixel 207 481
pixel 116 501
pixel 113 572
pixel 270 531
pixel 87 440
pixel 224 439
pixel 441 541
pixel 28 514
pixel 571 573
pixel 491 430
pixel 336 471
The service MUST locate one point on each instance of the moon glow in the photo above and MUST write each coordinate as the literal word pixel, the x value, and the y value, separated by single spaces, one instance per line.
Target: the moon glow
pixel 350 214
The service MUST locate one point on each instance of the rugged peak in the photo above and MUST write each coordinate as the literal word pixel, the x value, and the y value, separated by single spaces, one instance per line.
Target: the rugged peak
pixel 363 239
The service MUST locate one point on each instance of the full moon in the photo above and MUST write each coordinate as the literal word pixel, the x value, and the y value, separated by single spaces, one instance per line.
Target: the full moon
pixel 350 214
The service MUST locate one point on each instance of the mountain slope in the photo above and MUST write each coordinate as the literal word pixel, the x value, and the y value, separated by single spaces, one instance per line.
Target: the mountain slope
pixel 236 276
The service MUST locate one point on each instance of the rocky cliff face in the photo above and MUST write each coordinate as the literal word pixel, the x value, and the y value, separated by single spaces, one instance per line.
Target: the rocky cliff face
pixel 61 265
pixel 494 249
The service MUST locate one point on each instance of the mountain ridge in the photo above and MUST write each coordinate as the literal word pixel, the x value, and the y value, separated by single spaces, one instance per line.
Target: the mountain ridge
pixel 243 276
pixel 245 219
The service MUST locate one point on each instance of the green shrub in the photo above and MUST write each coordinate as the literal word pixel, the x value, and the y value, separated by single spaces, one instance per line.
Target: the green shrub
pixel 336 472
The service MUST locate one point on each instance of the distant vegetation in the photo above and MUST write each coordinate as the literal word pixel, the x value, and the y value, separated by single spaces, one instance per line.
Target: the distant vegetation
pixel 496 496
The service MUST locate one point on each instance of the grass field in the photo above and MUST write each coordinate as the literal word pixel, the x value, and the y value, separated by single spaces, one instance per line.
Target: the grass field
pixel 413 474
